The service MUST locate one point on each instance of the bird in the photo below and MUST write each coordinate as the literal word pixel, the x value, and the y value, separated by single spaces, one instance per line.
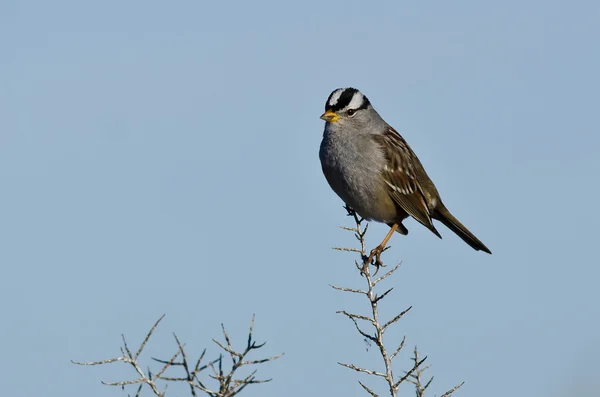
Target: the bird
pixel 369 165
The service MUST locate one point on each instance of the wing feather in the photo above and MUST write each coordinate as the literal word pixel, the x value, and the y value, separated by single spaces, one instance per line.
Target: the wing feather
pixel 400 176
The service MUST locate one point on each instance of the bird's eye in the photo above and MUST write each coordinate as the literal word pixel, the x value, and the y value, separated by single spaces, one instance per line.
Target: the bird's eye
pixel 351 112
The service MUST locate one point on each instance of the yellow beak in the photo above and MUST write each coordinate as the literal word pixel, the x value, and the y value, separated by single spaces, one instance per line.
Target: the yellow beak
pixel 330 116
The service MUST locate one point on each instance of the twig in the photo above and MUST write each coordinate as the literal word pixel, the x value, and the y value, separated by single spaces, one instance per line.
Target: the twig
pixel 455 388
pixel 373 319
pixel 229 386
pixel 129 358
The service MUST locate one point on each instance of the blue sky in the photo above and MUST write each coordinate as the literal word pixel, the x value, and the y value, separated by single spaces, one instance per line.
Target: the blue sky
pixel 161 157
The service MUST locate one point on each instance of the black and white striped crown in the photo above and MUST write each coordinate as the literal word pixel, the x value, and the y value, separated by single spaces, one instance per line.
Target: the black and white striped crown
pixel 349 98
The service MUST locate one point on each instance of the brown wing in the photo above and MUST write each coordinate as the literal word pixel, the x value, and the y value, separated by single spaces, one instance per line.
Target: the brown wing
pixel 401 177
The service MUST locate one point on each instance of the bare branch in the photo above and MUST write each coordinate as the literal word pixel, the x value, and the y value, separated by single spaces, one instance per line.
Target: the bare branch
pixel 371 392
pixel 137 354
pixel 358 316
pixel 228 349
pixel 358 369
pixel 264 360
pixel 167 365
pixel 378 298
pixel 126 348
pixel 123 383
pixel 414 368
pixel 364 266
pixel 110 360
pixel 386 275
pixel 356 291
pixel 228 386
pixel 346 249
pixel 455 388
pixel 396 318
pixel 395 353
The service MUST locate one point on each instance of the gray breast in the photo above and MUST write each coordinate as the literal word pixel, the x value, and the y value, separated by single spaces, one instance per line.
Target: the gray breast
pixel 354 174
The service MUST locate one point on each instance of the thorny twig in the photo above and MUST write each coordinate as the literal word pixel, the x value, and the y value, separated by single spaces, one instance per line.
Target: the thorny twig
pixel 228 385
pixel 416 378
pixel 376 336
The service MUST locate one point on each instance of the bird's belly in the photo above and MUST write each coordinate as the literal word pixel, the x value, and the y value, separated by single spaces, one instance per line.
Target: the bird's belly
pixel 372 204
pixel 367 196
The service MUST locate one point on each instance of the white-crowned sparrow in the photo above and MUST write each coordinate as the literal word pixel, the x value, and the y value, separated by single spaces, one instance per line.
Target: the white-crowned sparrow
pixel 374 171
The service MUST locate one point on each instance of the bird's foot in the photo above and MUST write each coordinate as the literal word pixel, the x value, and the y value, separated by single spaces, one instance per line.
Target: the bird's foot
pixel 350 211
pixel 373 259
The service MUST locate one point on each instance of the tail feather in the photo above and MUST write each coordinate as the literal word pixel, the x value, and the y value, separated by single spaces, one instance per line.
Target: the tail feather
pixel 444 216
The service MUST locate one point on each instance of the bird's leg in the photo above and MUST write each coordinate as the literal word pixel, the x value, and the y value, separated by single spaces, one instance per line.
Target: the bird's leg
pixel 376 252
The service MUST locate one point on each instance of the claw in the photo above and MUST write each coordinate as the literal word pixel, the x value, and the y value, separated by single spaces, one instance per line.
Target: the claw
pixel 378 263
pixel 375 254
